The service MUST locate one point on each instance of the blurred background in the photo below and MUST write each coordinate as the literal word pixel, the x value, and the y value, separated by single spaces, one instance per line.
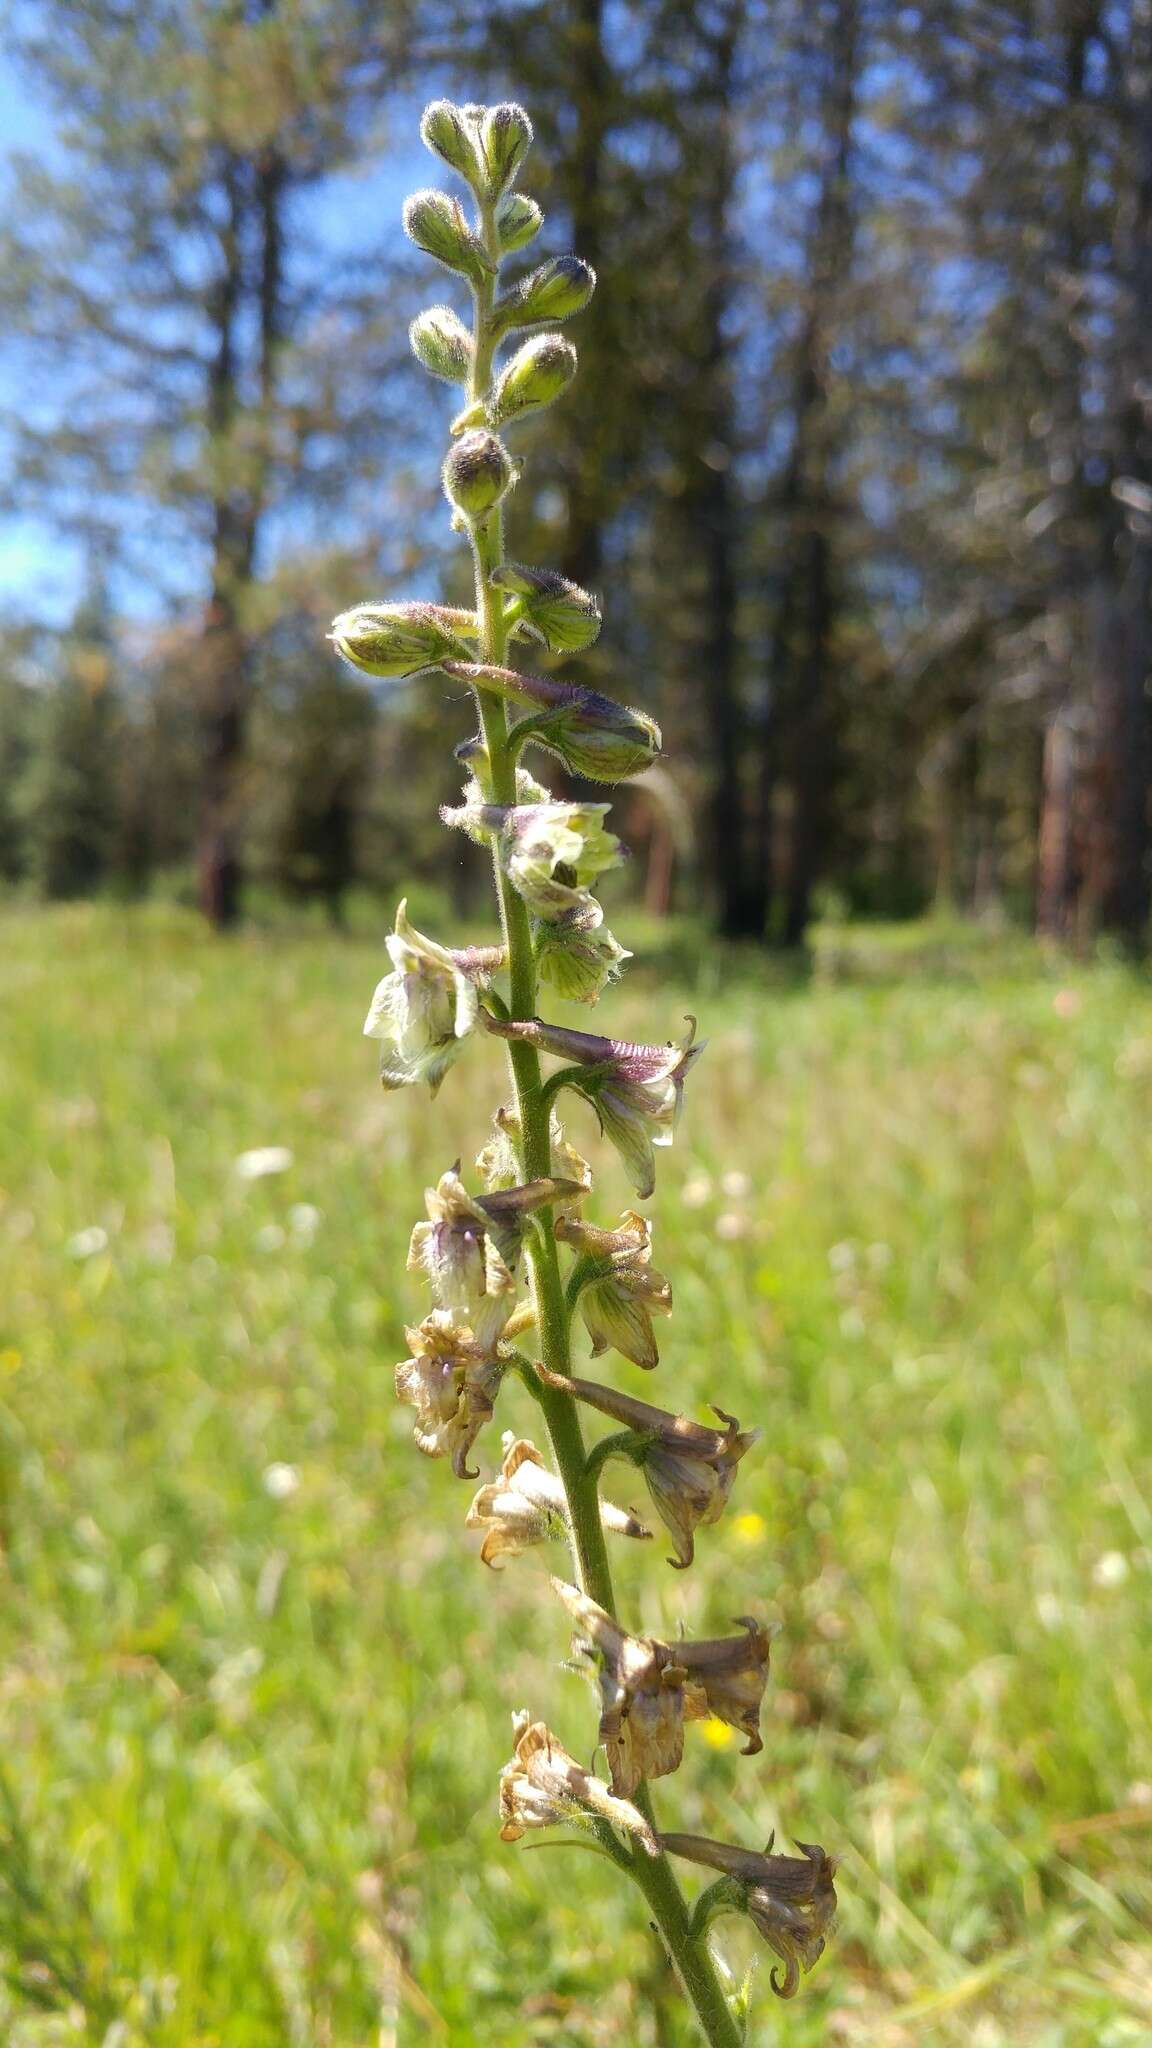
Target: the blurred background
pixel 860 462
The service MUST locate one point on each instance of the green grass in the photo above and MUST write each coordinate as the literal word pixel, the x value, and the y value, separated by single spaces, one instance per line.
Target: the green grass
pixel 251 1743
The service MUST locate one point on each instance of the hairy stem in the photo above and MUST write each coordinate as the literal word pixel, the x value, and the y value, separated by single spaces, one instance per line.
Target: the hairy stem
pixel 653 1874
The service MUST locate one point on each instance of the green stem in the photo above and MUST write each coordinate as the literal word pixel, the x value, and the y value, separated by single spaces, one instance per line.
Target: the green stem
pixel 653 1874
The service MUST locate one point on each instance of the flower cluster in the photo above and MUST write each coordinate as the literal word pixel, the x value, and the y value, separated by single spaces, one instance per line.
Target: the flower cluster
pixel 512 1261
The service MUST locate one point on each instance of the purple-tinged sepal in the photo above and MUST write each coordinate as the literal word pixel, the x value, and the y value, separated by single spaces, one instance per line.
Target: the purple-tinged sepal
pixel 636 1090
pixel 790 1899
pixel 689 1469
pixel 593 735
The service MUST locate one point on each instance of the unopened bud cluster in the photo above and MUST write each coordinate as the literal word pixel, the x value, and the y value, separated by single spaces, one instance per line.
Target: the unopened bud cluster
pixel 493 1245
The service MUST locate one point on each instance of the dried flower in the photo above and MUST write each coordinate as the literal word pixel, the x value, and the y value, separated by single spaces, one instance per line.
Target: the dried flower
pixel 579 960
pixel 619 1289
pixel 528 1505
pixel 641 1685
pixel 726 1680
pixel 636 1090
pixel 791 1899
pixel 428 1005
pixel 451 1381
pixel 689 1469
pixel 543 1787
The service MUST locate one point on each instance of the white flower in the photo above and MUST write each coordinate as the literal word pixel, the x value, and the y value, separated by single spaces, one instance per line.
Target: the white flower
pixel 280 1481
pixel 262 1161
pixel 86 1243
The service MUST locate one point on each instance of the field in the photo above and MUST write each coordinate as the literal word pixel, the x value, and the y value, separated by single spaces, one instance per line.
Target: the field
pixel 256 1688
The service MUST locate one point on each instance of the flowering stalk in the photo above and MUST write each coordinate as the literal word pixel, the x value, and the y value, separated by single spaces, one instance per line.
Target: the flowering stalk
pixel 476 1249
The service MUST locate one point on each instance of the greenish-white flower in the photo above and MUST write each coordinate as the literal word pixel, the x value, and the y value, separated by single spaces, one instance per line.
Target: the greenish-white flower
pixel 552 853
pixel 426 1007
pixel 578 960
pixel 617 1287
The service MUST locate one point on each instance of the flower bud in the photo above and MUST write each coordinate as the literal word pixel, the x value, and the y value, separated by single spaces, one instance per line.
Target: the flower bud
pixel 437 225
pixel 518 219
pixel 396 639
pixel 505 139
pixel 537 375
pixel 450 133
pixel 477 471
pixel 565 616
pixel 442 343
pixel 555 291
pixel 593 735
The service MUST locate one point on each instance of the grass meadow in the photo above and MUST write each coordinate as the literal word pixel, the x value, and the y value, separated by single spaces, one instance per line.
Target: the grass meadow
pixel 255 1686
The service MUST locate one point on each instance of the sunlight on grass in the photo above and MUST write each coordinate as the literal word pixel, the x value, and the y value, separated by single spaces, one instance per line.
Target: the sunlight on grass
pixel 256 1691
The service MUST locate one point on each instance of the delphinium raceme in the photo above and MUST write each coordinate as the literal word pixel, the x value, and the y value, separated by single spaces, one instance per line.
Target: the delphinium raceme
pixel 491 1252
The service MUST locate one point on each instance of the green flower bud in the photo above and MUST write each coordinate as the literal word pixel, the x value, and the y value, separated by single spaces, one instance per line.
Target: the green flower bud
pixel 566 618
pixel 593 735
pixel 538 374
pixel 437 225
pixel 505 139
pixel 477 471
pixel 518 219
pixel 450 133
pixel 397 639
pixel 442 343
pixel 554 292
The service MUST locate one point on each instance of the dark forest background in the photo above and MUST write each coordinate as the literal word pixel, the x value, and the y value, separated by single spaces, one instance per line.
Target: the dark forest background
pixel 859 459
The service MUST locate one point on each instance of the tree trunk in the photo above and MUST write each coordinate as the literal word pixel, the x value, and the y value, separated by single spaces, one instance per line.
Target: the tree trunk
pixel 796 734
pixel 590 94
pixel 1117 879
pixel 255 201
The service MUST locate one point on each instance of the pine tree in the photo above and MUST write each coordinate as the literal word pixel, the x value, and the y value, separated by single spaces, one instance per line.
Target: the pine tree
pixel 165 274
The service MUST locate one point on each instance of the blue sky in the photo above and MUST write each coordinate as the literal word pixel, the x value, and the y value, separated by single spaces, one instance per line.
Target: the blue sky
pixel 41 574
